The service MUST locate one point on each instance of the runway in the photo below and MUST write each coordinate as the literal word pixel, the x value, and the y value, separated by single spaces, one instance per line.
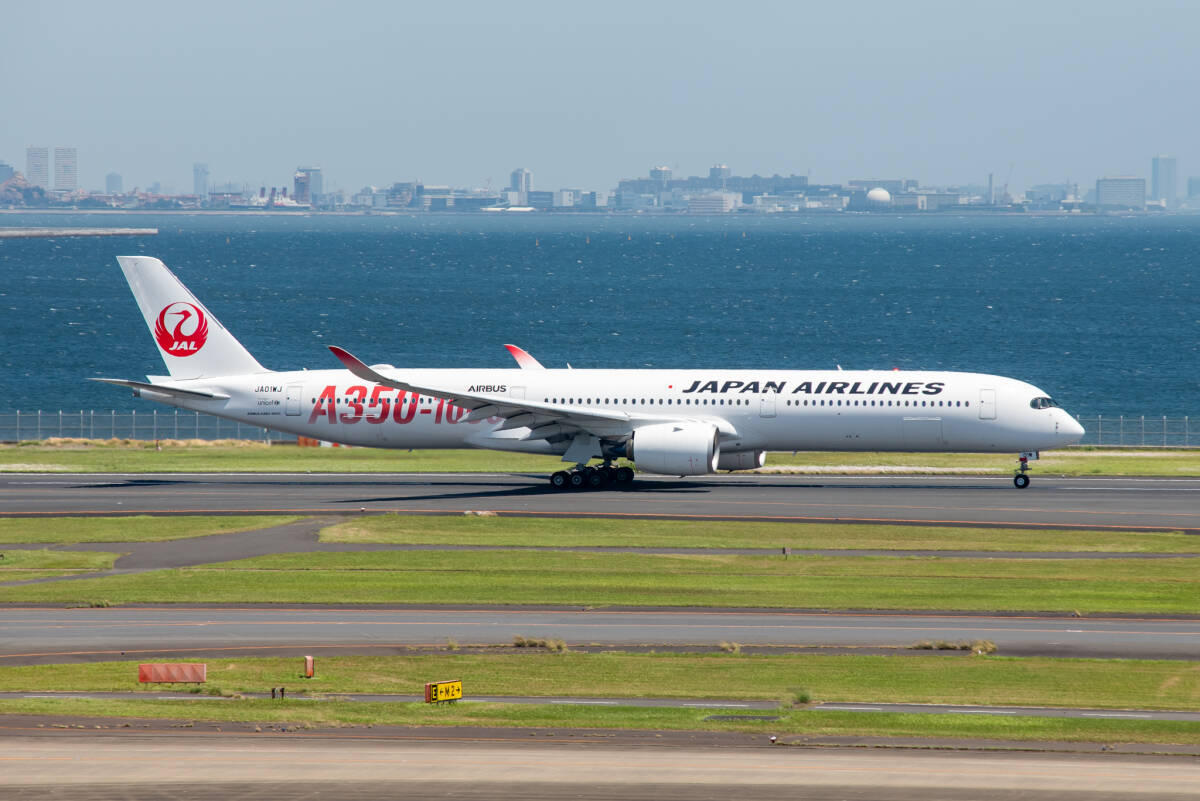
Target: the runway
pixel 1127 503
pixel 233 764
pixel 742 708
pixel 33 635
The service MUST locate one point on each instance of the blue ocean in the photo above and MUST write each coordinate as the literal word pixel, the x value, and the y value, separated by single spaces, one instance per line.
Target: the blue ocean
pixel 1101 312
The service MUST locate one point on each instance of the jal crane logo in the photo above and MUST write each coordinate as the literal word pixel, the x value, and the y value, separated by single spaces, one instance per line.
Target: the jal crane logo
pixel 181 329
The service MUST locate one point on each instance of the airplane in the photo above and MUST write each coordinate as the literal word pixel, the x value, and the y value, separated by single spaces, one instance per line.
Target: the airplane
pixel 666 422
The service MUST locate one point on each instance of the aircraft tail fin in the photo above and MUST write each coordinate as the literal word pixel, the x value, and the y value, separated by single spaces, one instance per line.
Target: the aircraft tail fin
pixel 192 342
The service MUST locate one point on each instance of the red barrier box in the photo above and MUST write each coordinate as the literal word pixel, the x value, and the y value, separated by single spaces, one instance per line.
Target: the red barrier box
pixel 173 673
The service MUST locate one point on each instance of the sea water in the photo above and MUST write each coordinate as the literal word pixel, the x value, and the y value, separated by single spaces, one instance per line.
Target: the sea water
pixel 1102 312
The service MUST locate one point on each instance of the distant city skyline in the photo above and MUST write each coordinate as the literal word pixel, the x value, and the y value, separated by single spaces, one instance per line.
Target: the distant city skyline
pixel 377 92
pixel 661 189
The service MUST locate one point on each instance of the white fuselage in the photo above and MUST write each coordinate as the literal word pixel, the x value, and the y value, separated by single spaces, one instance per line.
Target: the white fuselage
pixel 860 410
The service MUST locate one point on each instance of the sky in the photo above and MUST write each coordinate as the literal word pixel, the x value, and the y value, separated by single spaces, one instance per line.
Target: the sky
pixel 584 94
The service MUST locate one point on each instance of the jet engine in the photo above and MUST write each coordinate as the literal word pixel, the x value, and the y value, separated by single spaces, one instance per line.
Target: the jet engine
pixel 675 449
pixel 742 460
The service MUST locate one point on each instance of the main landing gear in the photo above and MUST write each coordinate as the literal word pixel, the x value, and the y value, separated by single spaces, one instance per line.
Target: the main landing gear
pixel 587 477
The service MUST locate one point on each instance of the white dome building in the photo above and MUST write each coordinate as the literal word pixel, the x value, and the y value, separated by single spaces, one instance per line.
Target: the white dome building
pixel 879 198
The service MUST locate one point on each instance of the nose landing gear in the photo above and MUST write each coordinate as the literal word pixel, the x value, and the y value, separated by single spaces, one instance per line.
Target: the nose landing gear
pixel 1021 479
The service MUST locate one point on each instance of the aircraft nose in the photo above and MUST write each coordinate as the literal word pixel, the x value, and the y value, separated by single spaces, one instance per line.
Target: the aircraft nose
pixel 1071 430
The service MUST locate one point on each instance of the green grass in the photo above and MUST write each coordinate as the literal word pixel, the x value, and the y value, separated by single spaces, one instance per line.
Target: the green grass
pixel 127 529
pixel 474 530
pixel 22 565
pixel 252 457
pixel 126 456
pixel 901 678
pixel 795 723
pixel 589 579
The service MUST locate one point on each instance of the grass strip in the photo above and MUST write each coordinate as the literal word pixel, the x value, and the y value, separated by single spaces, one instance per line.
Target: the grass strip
pixel 21 565
pixel 126 456
pixel 129 456
pixel 588 579
pixel 474 530
pixel 1087 461
pixel 142 528
pixel 859 678
pixel 794 722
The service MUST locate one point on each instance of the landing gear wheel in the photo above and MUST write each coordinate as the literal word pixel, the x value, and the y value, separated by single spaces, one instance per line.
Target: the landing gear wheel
pixel 597 479
pixel 578 480
pixel 624 475
pixel 1020 481
pixel 560 480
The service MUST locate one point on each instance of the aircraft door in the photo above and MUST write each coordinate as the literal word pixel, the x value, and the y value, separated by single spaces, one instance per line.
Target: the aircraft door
pixel 987 404
pixel 295 393
pixel 766 405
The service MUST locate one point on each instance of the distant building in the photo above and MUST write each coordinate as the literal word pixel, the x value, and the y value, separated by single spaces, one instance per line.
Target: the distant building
pixel 719 172
pixel 593 200
pixel 6 172
pixel 1193 187
pixel 1121 192
pixel 301 191
pixel 402 194
pixel 565 198
pixel 635 201
pixel 66 170
pixel 1163 185
pixel 660 175
pixel 540 200
pixel 1048 194
pixel 200 179
pixel 714 203
pixel 315 184
pixel 521 182
pixel 747 186
pixel 37 166
pixel 113 185
pixel 894 186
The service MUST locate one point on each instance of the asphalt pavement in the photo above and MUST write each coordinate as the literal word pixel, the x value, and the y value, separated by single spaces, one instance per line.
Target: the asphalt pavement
pixel 226 761
pixel 722 708
pixel 1127 503
pixel 31 635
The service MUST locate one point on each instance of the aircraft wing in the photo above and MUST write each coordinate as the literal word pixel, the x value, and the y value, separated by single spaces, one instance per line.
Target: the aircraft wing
pixel 544 419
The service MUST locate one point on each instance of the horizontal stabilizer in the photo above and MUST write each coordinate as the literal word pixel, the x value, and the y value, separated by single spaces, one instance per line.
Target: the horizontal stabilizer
pixel 163 389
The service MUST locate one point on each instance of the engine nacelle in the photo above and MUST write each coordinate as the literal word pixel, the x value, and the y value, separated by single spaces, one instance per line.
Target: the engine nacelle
pixel 742 460
pixel 675 449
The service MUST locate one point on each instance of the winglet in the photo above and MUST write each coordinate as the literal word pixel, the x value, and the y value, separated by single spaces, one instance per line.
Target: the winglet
pixel 524 360
pixel 353 364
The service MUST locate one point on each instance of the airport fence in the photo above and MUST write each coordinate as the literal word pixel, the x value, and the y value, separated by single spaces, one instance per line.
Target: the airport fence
pixel 1110 430
pixel 148 425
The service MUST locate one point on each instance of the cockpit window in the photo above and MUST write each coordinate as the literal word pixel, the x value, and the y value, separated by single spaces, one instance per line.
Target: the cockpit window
pixel 1043 403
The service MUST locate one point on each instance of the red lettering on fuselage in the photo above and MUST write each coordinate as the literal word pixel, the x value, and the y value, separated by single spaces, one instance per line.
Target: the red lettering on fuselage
pixel 355 404
pixel 384 404
pixel 325 405
pixel 402 409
